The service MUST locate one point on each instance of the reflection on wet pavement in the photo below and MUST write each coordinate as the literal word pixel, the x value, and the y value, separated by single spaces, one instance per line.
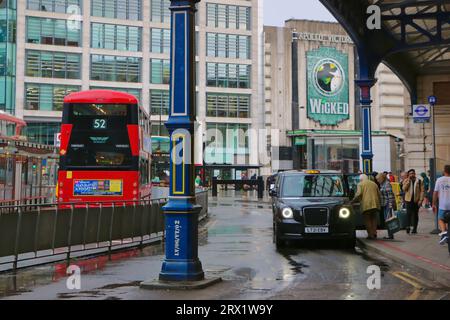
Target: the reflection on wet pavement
pixel 235 244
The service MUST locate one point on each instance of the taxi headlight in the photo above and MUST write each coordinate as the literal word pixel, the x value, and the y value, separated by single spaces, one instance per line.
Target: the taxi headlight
pixel 344 213
pixel 287 213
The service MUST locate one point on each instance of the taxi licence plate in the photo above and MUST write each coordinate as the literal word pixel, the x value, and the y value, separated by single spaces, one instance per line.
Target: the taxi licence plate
pixel 316 230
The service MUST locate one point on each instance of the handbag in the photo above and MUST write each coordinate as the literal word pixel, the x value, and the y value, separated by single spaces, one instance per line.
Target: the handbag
pixel 393 224
pixel 403 218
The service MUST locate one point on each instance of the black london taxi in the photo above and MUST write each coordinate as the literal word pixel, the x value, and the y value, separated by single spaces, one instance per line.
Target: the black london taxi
pixel 312 205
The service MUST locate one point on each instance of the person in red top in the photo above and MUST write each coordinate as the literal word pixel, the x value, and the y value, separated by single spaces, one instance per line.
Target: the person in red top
pixel 391 177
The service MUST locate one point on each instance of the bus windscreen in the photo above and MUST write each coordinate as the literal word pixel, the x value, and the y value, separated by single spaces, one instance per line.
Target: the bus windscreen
pixel 99 136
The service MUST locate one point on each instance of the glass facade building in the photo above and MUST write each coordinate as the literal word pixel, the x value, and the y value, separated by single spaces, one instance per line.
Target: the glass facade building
pixel 8 26
pixel 124 45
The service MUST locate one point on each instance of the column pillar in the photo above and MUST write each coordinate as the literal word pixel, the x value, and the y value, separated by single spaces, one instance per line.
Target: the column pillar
pixel 181 212
pixel 365 100
pixel 182 268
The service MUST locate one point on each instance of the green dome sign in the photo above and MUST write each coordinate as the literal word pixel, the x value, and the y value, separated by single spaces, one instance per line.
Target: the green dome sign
pixel 328 90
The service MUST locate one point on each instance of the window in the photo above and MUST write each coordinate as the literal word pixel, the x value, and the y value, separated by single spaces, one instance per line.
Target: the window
pixel 221 18
pixel 227 105
pixel 60 6
pixel 244 47
pixel 160 40
pixel 159 129
pixel 228 75
pixel 228 46
pixel 114 68
pixel 160 10
pixel 53 65
pixel 47 97
pixel 244 18
pixel 211 14
pixel 159 102
pixel 159 71
pixel 233 48
pixel 117 9
pixel 42 132
pixel 116 37
pixel 337 154
pixel 228 16
pixel 226 142
pixel 320 186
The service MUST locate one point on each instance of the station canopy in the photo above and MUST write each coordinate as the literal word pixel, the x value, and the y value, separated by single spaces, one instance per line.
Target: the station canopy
pixel 414 38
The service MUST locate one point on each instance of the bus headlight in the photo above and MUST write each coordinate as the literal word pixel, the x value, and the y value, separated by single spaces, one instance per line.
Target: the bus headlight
pixel 344 213
pixel 287 213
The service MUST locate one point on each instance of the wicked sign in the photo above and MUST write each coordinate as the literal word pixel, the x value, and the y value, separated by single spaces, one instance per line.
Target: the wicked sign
pixel 328 86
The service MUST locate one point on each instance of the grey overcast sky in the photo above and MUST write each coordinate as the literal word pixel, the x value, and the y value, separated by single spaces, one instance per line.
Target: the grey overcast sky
pixel 278 11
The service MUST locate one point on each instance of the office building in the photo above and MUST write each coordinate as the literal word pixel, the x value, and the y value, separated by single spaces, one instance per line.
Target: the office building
pixel 63 46
pixel 312 103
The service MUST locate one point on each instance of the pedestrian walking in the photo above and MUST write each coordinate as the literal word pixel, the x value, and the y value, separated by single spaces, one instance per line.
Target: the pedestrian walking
pixel 244 177
pixel 387 201
pixel 414 195
pixel 442 196
pixel 368 194
pixel 427 187
pixel 403 177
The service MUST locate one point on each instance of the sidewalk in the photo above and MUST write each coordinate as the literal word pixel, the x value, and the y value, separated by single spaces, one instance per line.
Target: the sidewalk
pixel 420 252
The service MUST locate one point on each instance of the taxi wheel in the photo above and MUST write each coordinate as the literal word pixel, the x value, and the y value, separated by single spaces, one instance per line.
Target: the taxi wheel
pixel 278 242
pixel 349 243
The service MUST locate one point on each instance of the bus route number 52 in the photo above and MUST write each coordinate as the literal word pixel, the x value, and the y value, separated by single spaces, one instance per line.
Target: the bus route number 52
pixel 99 124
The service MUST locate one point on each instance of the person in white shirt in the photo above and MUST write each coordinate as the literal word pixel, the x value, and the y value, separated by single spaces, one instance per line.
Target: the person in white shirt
pixel 442 195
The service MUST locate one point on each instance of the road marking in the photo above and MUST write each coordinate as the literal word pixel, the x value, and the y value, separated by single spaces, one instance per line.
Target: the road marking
pixel 415 295
pixel 413 281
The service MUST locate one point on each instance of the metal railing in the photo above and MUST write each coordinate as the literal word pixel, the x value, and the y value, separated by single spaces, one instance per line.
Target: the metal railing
pixel 30 195
pixel 33 236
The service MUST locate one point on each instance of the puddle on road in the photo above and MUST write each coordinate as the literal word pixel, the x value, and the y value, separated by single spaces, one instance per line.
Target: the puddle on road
pixel 294 266
pixel 366 257
pixel 14 284
pixel 246 273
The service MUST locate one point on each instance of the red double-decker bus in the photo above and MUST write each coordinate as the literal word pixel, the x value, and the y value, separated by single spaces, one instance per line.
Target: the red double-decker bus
pixel 105 151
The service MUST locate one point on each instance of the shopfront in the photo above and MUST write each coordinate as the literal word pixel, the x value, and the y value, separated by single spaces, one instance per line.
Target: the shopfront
pixel 340 150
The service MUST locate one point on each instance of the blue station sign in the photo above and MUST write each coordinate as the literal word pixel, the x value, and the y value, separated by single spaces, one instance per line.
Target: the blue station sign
pixel 421 113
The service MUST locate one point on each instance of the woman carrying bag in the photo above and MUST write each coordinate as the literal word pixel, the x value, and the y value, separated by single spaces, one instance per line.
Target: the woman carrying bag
pixel 388 203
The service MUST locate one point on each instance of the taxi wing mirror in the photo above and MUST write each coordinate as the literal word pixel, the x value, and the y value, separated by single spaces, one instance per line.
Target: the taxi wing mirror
pixel 272 191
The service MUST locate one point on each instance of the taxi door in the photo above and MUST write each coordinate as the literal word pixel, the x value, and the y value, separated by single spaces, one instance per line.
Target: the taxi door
pixel 352 184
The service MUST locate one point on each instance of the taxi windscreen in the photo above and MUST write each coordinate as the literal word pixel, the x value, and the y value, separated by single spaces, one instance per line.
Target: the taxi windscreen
pixel 312 186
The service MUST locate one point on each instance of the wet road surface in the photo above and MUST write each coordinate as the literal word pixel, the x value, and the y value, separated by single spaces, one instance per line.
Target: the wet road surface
pixel 235 244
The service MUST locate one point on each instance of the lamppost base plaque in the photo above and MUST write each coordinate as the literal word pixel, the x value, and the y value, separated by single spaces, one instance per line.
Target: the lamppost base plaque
pixel 179 285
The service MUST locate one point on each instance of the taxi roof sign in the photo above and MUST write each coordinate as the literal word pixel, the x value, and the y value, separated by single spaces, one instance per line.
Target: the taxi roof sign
pixel 312 171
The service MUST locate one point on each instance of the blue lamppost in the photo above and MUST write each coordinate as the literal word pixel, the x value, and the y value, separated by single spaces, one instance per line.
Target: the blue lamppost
pixel 181 264
pixel 365 100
